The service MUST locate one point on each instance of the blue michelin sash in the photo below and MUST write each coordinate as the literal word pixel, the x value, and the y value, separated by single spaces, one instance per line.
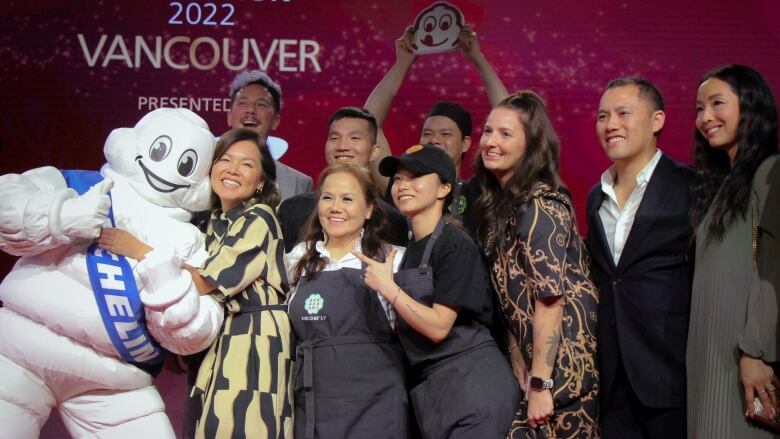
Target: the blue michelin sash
pixel 116 293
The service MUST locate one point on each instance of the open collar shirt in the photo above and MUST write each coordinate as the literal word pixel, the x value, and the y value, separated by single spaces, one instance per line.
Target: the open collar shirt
pixel 618 221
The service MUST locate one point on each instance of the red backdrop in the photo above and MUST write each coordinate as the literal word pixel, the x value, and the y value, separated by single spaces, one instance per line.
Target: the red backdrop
pixel 72 72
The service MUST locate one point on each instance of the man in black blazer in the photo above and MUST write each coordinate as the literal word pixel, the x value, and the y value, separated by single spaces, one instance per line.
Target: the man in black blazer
pixel 640 241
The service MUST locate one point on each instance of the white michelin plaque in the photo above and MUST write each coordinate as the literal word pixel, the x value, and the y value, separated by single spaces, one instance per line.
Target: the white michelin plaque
pixel 436 28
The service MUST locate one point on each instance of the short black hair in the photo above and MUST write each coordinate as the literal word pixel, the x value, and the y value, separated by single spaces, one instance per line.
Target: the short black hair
pixel 455 112
pixel 356 113
pixel 646 89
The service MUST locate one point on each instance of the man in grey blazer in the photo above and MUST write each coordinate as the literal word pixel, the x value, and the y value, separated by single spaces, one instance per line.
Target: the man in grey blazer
pixel 255 103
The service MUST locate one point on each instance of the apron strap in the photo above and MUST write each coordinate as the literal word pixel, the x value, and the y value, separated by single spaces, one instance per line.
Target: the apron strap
pixel 428 246
pixel 305 352
pixel 424 267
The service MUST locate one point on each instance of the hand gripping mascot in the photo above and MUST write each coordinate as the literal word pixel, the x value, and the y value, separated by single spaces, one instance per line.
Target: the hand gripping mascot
pixel 80 326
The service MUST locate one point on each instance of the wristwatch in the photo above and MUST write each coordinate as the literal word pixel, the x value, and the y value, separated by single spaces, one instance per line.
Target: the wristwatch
pixel 538 383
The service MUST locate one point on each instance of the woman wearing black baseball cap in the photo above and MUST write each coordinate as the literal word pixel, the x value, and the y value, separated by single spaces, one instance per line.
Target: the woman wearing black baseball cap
pixel 462 385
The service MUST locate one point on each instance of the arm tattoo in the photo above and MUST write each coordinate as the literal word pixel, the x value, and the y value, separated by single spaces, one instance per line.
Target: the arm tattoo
pixel 552 352
pixel 413 310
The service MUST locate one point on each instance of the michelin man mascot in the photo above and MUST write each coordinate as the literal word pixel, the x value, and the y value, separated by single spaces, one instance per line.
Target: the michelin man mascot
pixel 83 329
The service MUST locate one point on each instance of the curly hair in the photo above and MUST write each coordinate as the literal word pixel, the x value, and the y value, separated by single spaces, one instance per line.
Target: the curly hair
pixel 269 194
pixel 538 165
pixel 375 229
pixel 721 187
pixel 259 77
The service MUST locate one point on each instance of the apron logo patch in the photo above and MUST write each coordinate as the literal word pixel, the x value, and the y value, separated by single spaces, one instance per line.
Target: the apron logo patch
pixel 458 205
pixel 314 303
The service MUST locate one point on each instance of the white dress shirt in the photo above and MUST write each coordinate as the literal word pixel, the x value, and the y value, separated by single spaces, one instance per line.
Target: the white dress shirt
pixel 347 261
pixel 618 222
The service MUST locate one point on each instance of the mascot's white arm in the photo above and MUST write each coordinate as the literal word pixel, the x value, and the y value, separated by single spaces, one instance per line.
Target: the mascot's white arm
pixel 177 316
pixel 166 158
pixel 38 212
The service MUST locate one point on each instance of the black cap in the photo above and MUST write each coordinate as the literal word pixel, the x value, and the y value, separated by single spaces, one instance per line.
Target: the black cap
pixel 454 111
pixel 421 160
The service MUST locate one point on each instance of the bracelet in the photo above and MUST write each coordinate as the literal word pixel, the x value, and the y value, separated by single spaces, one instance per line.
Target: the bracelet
pixel 513 347
pixel 397 293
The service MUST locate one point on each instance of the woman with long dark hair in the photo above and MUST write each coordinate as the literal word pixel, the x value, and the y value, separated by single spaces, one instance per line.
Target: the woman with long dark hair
pixel 242 386
pixel 539 269
pixel 350 370
pixel 733 325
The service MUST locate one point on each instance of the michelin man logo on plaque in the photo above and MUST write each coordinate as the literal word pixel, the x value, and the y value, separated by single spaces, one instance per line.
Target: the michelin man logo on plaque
pixel 73 321
pixel 436 28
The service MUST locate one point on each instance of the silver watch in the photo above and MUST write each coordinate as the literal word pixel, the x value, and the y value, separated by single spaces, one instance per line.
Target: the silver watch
pixel 538 383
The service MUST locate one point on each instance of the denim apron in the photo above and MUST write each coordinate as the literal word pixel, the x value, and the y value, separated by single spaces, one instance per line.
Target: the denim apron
pixel 350 380
pixel 464 385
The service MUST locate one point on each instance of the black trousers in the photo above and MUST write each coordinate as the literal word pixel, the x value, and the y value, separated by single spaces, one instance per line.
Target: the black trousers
pixel 625 417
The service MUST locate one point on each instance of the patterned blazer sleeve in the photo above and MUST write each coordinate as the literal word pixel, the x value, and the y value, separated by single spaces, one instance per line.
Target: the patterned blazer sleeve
pixel 250 250
pixel 546 229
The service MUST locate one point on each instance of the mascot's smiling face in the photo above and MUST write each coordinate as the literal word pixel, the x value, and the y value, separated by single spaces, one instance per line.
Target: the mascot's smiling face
pixel 171 169
pixel 437 28
pixel 165 158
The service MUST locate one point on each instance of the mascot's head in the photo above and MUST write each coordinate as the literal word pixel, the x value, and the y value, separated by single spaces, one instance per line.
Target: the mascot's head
pixel 165 158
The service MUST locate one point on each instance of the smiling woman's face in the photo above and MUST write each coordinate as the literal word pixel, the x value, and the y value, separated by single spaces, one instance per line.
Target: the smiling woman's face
pixel 342 208
pixel 717 114
pixel 237 174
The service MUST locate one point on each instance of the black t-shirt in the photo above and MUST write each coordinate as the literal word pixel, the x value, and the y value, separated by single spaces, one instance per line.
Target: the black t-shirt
pixel 459 275
pixel 294 212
